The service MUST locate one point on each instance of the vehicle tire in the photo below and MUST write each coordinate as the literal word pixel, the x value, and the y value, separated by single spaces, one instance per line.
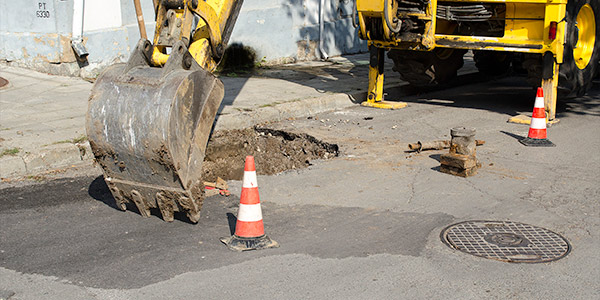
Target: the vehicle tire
pixel 427 68
pixel 493 63
pixel 582 48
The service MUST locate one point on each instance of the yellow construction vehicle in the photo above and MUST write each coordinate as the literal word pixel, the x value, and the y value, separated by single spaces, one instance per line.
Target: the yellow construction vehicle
pixel 555 41
pixel 149 119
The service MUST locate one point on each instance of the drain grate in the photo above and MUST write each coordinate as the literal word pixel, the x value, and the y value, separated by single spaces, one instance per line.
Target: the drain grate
pixel 506 241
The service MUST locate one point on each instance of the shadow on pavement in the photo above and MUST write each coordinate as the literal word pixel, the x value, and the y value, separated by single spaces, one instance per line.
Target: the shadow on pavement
pixel 515 136
pixel 232 220
pixel 435 156
pixel 509 95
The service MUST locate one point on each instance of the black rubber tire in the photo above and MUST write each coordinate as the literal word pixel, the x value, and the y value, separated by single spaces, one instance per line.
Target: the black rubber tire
pixel 493 63
pixel 573 81
pixel 430 68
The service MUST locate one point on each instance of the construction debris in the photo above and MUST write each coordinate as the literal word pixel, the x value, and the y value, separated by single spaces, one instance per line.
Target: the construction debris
pixel 435 145
pixel 220 187
pixel 461 160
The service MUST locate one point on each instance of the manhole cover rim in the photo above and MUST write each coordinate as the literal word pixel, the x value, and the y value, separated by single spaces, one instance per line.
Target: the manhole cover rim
pixel 445 240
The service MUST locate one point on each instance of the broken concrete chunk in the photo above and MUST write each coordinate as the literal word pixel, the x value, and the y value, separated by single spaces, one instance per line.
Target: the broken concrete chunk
pixel 458 160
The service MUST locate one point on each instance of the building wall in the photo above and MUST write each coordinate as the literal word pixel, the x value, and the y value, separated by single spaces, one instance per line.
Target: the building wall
pixel 37 33
pixel 282 29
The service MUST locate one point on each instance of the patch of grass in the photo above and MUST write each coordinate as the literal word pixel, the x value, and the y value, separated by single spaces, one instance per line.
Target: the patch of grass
pixel 36 177
pixel 269 104
pixel 12 151
pixel 59 142
pixel 277 103
pixel 261 63
pixel 82 138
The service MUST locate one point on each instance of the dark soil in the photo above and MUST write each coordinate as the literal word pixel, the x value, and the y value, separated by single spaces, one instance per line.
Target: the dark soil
pixel 274 151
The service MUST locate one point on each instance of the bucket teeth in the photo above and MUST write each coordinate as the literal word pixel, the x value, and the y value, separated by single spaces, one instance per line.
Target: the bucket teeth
pixel 140 203
pixel 120 201
pixel 166 206
pixel 191 208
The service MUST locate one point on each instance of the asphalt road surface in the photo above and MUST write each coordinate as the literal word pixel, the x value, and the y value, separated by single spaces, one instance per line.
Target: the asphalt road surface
pixel 364 225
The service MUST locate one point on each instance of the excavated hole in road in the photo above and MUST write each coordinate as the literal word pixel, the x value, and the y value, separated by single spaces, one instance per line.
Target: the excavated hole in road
pixel 274 151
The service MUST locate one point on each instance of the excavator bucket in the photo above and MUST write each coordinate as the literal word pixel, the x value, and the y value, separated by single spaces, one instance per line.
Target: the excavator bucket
pixel 148 128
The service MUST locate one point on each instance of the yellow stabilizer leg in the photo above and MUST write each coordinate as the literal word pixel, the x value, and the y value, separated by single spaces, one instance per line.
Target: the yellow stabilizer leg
pixel 375 93
pixel 549 86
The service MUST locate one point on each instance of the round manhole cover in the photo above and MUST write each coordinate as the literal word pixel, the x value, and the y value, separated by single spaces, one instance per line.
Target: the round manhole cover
pixel 3 82
pixel 506 241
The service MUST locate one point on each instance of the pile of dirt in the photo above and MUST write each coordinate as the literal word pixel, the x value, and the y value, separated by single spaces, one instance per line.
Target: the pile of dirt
pixel 274 151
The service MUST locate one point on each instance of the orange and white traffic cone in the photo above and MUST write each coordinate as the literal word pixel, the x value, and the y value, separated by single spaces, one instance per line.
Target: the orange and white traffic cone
pixel 249 229
pixel 537 130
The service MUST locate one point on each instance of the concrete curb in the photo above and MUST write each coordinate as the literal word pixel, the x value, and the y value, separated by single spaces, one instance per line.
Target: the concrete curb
pixel 47 158
pixel 283 111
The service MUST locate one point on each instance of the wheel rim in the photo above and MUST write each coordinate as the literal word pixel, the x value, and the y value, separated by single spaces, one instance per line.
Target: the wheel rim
pixel 586 29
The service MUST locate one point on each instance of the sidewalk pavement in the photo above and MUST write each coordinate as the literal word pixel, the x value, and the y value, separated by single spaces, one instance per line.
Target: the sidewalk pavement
pixel 42 117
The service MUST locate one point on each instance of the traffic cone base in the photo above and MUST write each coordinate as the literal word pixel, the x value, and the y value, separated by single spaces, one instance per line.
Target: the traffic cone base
pixel 537 142
pixel 237 243
pixel 537 129
pixel 249 229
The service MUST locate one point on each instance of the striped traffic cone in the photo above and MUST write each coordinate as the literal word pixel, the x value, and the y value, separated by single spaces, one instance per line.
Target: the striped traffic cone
pixel 537 130
pixel 249 229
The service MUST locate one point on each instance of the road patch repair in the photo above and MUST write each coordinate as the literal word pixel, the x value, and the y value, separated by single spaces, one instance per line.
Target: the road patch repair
pixel 506 241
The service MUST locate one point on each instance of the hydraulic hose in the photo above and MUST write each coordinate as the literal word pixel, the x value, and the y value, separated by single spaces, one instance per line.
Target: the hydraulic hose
pixel 386 16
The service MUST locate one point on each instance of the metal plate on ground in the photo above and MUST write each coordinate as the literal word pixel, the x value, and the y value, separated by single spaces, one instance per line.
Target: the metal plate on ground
pixel 506 241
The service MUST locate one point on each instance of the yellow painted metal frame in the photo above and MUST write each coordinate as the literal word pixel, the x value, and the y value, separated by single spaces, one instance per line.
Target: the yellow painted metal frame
pixel 526 30
pixel 375 92
pixel 206 45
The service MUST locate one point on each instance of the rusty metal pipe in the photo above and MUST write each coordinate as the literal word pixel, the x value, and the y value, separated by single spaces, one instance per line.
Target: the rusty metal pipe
pixel 435 145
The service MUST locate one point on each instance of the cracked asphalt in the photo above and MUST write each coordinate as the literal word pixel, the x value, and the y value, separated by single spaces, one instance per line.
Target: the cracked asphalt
pixel 364 225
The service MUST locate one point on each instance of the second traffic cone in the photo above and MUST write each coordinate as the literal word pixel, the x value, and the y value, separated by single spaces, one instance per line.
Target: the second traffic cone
pixel 249 229
pixel 537 130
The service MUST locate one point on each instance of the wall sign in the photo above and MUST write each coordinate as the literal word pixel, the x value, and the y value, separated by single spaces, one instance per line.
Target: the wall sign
pixel 42 12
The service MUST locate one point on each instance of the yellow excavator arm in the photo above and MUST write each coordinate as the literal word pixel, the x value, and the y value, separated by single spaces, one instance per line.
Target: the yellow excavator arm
pixel 205 26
